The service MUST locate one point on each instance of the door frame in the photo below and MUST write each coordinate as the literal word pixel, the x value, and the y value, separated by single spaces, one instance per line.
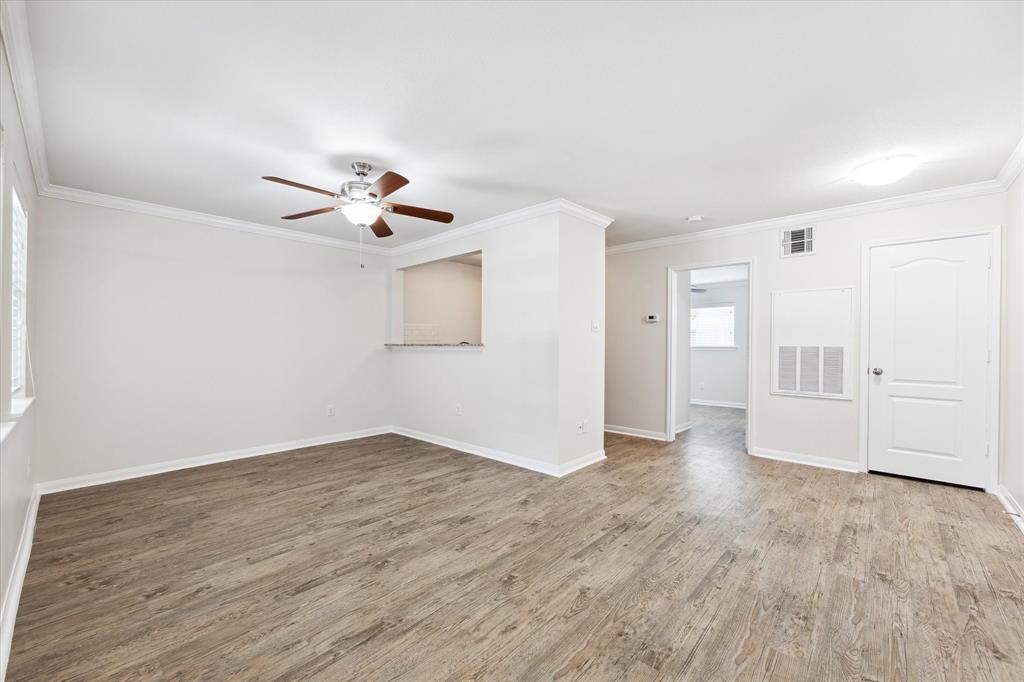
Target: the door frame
pixel 672 342
pixel 995 288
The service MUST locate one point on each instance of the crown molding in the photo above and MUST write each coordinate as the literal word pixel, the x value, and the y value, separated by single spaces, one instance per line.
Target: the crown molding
pixel 82 196
pixel 563 206
pixel 134 206
pixel 1013 166
pixel 14 28
pixel 976 189
pixel 573 209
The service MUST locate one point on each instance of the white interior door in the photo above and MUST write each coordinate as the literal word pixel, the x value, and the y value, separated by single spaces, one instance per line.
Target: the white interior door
pixel 928 358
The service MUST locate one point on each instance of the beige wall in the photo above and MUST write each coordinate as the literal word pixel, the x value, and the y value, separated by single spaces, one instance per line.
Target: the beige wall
pixel 636 362
pixel 446 294
pixel 160 340
pixel 1012 440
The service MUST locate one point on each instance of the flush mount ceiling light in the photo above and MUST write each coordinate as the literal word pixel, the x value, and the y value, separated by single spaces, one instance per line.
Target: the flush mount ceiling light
pixel 695 219
pixel 884 171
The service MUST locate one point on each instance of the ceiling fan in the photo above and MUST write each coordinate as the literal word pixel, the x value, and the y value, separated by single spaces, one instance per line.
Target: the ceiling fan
pixel 361 200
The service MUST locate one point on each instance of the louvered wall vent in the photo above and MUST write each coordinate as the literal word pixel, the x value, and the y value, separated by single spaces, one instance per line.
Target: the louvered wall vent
pixel 812 338
pixel 810 370
pixel 798 242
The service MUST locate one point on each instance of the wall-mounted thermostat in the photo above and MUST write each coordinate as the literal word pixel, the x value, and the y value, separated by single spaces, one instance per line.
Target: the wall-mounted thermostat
pixel 652 318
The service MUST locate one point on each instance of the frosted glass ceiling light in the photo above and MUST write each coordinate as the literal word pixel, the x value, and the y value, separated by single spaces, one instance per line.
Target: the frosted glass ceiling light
pixel 884 171
pixel 361 213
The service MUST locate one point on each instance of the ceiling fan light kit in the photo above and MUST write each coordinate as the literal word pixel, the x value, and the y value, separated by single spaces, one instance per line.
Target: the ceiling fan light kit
pixel 361 213
pixel 361 201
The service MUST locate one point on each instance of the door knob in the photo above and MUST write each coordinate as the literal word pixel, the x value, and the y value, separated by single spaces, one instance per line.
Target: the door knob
pixel 877 371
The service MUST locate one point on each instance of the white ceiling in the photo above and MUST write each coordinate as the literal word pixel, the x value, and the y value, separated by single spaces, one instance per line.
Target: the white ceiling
pixel 725 273
pixel 646 112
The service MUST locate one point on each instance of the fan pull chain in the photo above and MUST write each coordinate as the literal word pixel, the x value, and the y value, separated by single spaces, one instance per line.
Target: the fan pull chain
pixel 361 228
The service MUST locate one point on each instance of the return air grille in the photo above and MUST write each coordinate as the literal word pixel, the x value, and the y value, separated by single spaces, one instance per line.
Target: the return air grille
pixel 812 338
pixel 787 368
pixel 798 242
pixel 809 370
pixel 832 370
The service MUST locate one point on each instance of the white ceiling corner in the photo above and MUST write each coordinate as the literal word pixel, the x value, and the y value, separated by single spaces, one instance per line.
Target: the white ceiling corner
pixel 1013 166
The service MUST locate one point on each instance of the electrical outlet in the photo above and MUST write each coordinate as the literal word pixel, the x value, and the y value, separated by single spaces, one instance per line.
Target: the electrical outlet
pixel 581 426
pixel 330 410
pixel 458 409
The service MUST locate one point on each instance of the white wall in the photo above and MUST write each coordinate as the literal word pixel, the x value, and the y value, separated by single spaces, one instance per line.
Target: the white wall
pixel 523 394
pixel 508 392
pixel 446 294
pixel 17 451
pixel 636 361
pixel 719 375
pixel 581 290
pixel 1012 437
pixel 159 340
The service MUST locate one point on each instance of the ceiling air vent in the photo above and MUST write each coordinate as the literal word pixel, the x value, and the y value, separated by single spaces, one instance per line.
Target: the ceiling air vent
pixel 798 242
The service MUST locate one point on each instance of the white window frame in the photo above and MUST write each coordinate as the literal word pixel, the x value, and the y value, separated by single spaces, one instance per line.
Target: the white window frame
pixel 704 346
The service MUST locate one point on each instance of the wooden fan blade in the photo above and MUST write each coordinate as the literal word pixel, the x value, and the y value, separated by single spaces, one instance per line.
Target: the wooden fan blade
pixel 380 228
pixel 306 214
pixel 386 184
pixel 300 186
pixel 417 212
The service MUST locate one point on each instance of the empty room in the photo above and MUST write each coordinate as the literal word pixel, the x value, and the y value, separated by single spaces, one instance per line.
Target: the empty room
pixel 511 340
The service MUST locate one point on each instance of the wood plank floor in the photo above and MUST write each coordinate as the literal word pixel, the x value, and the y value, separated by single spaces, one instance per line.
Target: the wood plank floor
pixel 388 558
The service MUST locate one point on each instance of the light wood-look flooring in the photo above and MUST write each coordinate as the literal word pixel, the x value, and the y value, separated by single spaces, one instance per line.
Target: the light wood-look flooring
pixel 388 558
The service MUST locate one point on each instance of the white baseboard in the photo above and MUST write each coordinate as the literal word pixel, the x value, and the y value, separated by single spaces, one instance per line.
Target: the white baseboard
pixel 580 462
pixel 719 403
pixel 1012 505
pixel 685 427
pixel 639 433
pixel 557 470
pixel 811 460
pixel 12 594
pixel 76 482
pixel 174 465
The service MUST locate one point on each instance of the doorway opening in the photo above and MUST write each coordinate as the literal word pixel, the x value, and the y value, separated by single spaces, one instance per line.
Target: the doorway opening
pixel 709 352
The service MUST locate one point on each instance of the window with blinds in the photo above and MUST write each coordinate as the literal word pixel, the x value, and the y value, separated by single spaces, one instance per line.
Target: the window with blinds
pixel 713 327
pixel 19 299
